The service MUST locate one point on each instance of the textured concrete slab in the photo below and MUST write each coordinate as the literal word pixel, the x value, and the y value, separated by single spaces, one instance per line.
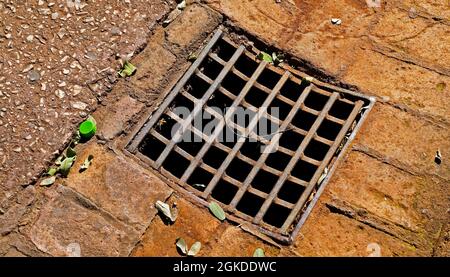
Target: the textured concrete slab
pixel 332 234
pixel 119 187
pixel 71 225
pixel 407 138
pixel 193 224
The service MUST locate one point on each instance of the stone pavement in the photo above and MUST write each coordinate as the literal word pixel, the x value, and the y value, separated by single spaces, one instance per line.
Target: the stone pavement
pixel 387 194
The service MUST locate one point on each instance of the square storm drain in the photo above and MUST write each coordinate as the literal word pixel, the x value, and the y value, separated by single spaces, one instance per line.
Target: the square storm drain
pixel 260 140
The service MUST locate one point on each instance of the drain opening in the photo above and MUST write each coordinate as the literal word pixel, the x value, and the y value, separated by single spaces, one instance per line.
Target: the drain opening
pixel 291 192
pixel 250 204
pixel 152 147
pixel 292 89
pixel 245 65
pixel 200 177
pixel 304 170
pixel 304 120
pixel 329 130
pixel 263 178
pixel 264 181
pixel 291 140
pixel 224 192
pixel 276 215
pixel 316 150
pixel 197 87
pixel 238 170
pixel 278 160
pixel 175 164
pixel 214 157
pixel 268 78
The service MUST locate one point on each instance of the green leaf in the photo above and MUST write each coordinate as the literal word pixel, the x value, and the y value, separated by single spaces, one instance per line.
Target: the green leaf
pixel 165 210
pixel 265 57
pixel 65 166
pixel 70 152
pixel 52 171
pixel 217 211
pixel 87 162
pixel 199 186
pixel 258 253
pixel 181 244
pixel 441 86
pixel 128 69
pixel 195 248
pixel 48 181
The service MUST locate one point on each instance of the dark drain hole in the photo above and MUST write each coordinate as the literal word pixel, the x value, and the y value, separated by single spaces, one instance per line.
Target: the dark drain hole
pixel 197 86
pixel 316 150
pixel 291 140
pixel 279 109
pixel 175 164
pixel 151 147
pixel 290 192
pixel 329 129
pixel 219 100
pixel 200 177
pixel 251 149
pixel 341 110
pixel 238 170
pixel 276 215
pixel 250 204
pixel 211 68
pixel 264 181
pixel 304 120
pixel 293 90
pixel 304 170
pixel 255 97
pixel 246 65
pixel 316 101
pixel 233 83
pixel 214 157
pixel 224 50
pixel 191 143
pixel 224 192
pixel 278 160
pixel 268 78
pixel 181 101
pixel 229 136
pixel 165 126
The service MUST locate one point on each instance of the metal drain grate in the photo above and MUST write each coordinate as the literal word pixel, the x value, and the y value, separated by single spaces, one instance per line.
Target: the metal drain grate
pixel 269 180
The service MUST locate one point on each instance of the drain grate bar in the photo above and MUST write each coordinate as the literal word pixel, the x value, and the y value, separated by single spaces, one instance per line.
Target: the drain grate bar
pixel 298 154
pixel 198 107
pixel 222 147
pixel 315 178
pixel 223 121
pixel 270 117
pixel 155 117
pixel 241 140
pixel 265 180
pixel 274 142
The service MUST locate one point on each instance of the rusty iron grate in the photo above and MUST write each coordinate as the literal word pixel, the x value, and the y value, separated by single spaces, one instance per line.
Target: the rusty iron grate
pixel 270 182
